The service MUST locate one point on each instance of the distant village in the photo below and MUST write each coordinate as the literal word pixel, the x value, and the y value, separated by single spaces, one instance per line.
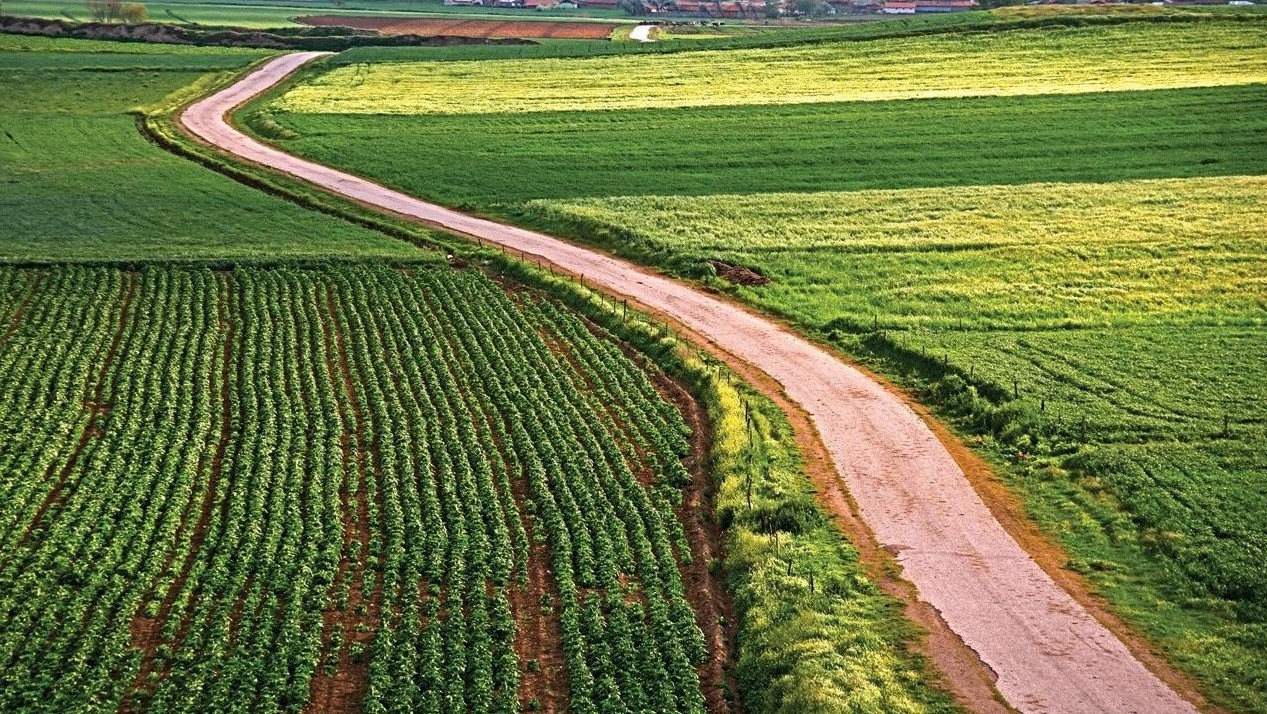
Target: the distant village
pixel 766 9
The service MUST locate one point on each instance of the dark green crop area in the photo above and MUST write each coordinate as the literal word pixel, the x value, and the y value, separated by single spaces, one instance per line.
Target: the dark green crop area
pixel 497 159
pixel 221 488
pixel 78 180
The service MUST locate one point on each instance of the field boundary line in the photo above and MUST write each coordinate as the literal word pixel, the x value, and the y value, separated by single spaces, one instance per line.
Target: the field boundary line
pixel 1048 652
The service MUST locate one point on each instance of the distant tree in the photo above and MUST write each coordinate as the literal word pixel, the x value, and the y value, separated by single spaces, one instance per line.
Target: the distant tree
pixel 104 10
pixel 811 8
pixel 133 13
pixel 116 11
pixel 771 9
pixel 632 7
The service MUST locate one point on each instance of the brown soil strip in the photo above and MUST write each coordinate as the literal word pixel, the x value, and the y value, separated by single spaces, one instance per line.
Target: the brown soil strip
pixel 344 690
pixel 714 610
pixel 146 631
pixel 97 405
pixel 538 637
pixel 22 308
pixel 441 27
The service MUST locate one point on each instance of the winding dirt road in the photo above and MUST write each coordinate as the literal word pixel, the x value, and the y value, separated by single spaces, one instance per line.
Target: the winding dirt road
pixel 1048 653
pixel 641 33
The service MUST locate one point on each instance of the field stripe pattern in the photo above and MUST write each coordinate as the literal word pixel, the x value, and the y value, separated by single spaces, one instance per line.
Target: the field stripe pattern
pixel 1130 57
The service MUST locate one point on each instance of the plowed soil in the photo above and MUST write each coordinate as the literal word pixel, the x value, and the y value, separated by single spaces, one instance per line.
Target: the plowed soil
pixel 524 29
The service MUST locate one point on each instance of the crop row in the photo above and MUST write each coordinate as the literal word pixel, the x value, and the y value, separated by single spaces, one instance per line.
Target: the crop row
pixel 265 490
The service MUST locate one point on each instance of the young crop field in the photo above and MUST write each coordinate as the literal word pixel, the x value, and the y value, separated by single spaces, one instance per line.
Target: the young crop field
pixel 1054 235
pixel 79 181
pixel 381 489
pixel 495 161
pixel 298 488
pixel 1049 61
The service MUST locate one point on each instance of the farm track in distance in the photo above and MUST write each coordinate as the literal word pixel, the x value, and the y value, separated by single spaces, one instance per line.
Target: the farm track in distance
pixel 1047 651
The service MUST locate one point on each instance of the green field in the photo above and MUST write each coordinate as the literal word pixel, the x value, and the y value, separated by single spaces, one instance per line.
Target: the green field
pixel 297 515
pixel 1056 60
pixel 491 160
pixel 80 182
pixel 1073 276
pixel 383 485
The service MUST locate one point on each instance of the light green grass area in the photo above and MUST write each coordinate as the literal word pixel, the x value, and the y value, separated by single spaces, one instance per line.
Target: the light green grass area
pixel 79 181
pixel 1055 60
pixel 1172 251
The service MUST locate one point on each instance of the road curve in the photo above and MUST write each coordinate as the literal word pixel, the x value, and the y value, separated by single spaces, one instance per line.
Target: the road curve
pixel 641 33
pixel 1048 653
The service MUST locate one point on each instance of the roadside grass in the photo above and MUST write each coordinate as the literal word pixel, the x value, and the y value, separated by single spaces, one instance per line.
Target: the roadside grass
pixel 490 159
pixel 79 182
pixel 1023 62
pixel 817 634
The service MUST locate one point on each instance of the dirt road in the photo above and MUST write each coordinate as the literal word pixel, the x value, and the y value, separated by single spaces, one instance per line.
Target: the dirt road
pixel 641 33
pixel 1049 655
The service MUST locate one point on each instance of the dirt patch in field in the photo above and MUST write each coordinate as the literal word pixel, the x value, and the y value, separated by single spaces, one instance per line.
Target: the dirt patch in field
pixel 22 308
pixel 538 636
pixel 738 274
pixel 425 27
